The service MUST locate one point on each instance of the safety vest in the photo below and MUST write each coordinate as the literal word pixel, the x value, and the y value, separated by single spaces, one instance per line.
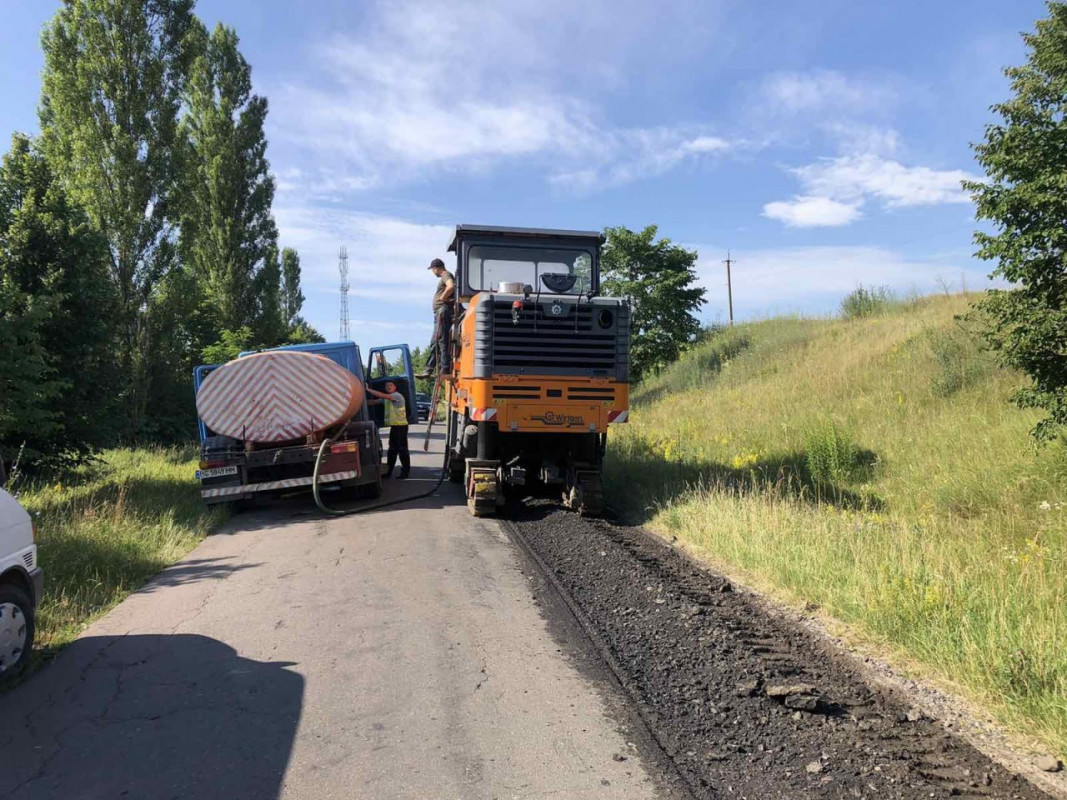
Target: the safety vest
pixel 395 414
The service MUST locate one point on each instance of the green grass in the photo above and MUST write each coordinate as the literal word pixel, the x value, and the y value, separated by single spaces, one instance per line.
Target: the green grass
pixel 105 528
pixel 872 466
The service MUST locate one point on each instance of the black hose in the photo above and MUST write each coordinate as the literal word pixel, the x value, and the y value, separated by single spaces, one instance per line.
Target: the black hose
pixel 375 506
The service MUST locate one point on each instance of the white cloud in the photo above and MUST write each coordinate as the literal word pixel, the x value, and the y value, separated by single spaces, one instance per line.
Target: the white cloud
pixel 853 115
pixel 809 211
pixel 826 91
pixel 856 177
pixel 418 91
pixel 835 189
pixel 852 137
pixel 706 144
pixel 630 155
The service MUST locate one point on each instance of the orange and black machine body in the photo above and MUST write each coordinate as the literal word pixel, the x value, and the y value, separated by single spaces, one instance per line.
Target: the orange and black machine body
pixel 540 365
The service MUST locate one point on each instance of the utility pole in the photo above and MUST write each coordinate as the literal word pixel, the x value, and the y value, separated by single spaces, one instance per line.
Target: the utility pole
pixel 729 286
pixel 342 267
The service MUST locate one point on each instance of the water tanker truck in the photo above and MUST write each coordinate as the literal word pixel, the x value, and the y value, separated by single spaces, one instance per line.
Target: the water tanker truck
pixel 262 417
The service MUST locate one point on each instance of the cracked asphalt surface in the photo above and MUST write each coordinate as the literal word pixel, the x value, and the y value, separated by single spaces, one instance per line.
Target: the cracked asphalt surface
pixel 399 654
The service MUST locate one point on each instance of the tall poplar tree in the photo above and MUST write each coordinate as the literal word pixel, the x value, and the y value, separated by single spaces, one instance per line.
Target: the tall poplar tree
pixel 292 297
pixel 270 328
pixel 111 90
pixel 227 231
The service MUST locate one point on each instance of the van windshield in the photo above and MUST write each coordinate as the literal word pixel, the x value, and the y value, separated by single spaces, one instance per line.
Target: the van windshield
pixel 488 266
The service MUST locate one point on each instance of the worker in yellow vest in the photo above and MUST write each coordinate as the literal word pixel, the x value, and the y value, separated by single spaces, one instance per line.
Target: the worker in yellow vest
pixel 396 420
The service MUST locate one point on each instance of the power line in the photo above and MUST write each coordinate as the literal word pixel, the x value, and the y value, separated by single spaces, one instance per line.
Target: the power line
pixel 342 266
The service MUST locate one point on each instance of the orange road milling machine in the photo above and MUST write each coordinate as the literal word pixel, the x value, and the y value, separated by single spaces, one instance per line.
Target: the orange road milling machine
pixel 539 368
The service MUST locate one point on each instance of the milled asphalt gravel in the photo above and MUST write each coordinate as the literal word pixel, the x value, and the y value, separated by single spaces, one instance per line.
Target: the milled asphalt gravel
pixel 748 705
pixel 400 654
pixel 416 652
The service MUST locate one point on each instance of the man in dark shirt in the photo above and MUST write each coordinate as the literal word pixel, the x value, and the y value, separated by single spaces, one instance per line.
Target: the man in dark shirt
pixel 440 345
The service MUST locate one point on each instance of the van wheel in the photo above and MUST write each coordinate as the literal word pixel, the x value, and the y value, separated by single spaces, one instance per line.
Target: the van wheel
pixel 16 629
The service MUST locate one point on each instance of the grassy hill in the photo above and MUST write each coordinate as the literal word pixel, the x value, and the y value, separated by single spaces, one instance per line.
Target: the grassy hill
pixel 874 467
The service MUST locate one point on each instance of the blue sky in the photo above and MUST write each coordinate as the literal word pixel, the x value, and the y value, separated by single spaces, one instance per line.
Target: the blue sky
pixel 821 142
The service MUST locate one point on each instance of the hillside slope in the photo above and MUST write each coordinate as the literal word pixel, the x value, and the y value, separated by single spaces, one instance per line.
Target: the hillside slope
pixel 873 467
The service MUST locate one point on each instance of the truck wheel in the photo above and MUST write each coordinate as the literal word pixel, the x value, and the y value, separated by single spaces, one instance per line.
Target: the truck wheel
pixel 16 629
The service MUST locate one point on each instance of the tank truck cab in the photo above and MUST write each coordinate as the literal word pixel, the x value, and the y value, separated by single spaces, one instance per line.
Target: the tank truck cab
pixel 541 365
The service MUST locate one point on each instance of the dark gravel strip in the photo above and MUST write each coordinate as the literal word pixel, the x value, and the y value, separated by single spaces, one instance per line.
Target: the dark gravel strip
pixel 747 705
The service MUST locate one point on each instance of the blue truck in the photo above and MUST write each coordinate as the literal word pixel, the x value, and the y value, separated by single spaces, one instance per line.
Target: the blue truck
pixel 237 472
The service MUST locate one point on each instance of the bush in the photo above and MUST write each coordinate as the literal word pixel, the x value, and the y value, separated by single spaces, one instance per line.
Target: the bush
pixel 864 302
pixel 958 359
pixel 831 454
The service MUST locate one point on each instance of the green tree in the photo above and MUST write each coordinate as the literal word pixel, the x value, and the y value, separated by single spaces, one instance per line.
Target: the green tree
pixel 58 306
pixel 301 332
pixel 230 345
pixel 270 324
pixel 28 387
pixel 181 324
pixel 112 84
pixel 227 231
pixel 292 297
pixel 660 280
pixel 419 357
pixel 1025 159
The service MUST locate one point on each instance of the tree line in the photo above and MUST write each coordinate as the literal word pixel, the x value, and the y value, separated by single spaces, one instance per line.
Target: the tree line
pixel 136 233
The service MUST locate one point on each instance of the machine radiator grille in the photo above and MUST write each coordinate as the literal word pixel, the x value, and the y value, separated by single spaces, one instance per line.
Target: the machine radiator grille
pixel 590 393
pixel 535 341
pixel 511 391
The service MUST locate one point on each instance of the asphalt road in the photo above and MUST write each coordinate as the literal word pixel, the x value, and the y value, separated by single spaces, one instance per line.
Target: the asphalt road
pixel 405 653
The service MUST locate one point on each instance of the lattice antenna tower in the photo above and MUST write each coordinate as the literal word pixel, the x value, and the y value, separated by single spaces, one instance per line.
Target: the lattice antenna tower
pixel 342 267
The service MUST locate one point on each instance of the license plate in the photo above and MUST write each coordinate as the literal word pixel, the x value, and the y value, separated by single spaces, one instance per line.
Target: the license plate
pixel 218 472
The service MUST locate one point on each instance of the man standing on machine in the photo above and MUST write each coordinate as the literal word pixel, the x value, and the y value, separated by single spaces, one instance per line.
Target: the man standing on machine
pixel 396 420
pixel 440 345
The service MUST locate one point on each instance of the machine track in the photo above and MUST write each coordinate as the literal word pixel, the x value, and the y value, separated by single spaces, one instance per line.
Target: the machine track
pixel 586 495
pixel 745 704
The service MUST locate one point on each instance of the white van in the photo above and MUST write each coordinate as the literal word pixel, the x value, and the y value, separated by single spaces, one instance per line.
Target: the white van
pixel 21 583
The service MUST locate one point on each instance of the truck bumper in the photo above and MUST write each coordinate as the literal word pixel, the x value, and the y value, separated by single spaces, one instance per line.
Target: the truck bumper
pixel 37 581
pixel 224 493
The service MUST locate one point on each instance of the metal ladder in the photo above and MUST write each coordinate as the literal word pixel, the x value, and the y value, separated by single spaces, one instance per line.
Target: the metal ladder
pixel 434 400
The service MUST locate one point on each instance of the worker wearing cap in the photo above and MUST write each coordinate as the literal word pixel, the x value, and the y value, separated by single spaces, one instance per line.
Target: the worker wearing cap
pixel 396 420
pixel 440 350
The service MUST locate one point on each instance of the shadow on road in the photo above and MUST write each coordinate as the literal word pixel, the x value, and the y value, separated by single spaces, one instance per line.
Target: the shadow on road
pixel 153 716
pixel 195 569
